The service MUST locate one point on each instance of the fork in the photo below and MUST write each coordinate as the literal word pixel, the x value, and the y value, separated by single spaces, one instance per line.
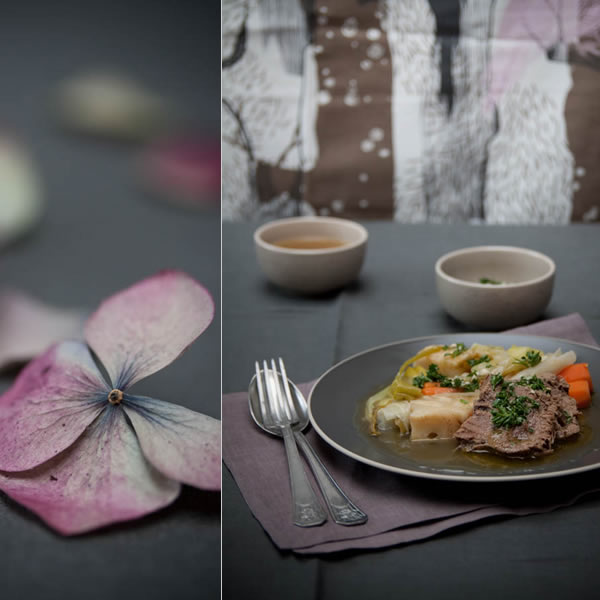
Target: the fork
pixel 342 509
pixel 275 412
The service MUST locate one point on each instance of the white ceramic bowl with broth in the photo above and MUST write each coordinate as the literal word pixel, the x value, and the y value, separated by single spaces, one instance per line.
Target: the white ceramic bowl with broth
pixel 495 287
pixel 311 255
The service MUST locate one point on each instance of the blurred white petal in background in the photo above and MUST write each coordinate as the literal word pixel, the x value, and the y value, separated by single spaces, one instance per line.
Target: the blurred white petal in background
pixel 111 105
pixel 21 202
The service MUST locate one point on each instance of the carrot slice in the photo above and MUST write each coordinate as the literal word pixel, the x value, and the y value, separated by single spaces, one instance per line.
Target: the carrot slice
pixel 580 391
pixel 430 390
pixel 576 372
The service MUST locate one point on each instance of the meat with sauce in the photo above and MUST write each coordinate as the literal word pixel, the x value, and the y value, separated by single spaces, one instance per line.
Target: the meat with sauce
pixel 553 418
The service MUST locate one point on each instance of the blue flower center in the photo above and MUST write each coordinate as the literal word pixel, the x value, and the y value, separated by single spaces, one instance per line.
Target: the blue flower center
pixel 115 397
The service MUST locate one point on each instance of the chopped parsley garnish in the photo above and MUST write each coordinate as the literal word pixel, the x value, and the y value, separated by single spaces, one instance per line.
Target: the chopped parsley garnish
pixel 420 380
pixel 534 382
pixel 477 361
pixel 496 380
pixel 512 411
pixel 490 281
pixel 433 374
pixel 460 348
pixel 472 386
pixel 531 358
pixel 567 417
pixel 508 409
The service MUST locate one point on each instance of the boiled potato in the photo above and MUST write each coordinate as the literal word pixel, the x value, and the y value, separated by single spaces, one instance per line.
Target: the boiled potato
pixel 394 415
pixel 439 416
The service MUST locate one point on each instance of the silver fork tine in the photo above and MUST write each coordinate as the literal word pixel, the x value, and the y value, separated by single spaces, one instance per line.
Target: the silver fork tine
pixel 283 404
pixel 271 392
pixel 264 412
pixel 288 393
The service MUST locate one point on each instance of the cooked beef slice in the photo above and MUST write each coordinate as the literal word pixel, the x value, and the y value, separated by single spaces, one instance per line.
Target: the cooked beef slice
pixel 555 418
pixel 567 414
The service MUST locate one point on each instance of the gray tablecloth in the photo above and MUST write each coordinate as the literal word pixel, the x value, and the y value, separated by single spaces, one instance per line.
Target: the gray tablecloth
pixel 395 299
pixel 99 234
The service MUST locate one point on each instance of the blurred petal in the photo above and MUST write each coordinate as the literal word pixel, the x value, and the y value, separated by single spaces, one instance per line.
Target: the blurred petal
pixel 112 105
pixel 144 328
pixel 184 171
pixel 28 327
pixel 103 478
pixel 180 443
pixel 49 406
pixel 21 202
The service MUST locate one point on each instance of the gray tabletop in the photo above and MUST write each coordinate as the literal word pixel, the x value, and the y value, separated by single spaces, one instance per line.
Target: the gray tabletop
pixel 553 554
pixel 101 233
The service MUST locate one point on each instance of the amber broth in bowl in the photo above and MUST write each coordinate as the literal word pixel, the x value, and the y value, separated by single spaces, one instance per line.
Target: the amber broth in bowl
pixel 309 242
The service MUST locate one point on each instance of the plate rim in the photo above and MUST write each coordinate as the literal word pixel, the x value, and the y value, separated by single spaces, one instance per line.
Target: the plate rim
pixel 442 476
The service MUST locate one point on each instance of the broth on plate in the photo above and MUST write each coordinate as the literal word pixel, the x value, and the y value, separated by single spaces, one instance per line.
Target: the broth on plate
pixel 481 406
pixel 442 454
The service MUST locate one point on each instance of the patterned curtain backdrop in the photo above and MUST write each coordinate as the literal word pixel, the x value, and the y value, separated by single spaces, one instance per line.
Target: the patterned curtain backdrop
pixel 481 111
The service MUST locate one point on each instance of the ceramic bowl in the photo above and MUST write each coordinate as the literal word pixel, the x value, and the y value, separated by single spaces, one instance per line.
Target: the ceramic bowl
pixel 311 271
pixel 495 287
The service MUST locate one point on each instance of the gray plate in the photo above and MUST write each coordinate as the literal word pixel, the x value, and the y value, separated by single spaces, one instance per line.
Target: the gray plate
pixel 336 401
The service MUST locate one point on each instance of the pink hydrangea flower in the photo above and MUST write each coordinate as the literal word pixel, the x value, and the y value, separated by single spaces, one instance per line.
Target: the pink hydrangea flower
pixel 81 452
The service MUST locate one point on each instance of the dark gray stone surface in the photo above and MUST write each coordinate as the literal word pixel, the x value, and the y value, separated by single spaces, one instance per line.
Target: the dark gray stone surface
pixel 101 233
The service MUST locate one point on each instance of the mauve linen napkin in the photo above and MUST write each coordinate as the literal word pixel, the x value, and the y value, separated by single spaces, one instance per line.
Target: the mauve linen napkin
pixel 401 509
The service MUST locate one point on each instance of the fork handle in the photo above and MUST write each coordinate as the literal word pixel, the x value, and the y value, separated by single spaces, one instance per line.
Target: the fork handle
pixel 343 510
pixel 307 510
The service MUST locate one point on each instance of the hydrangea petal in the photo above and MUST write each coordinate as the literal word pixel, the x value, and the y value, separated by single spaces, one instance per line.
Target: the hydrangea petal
pixel 28 327
pixel 21 200
pixel 185 171
pixel 55 397
pixel 112 105
pixel 103 478
pixel 180 443
pixel 144 328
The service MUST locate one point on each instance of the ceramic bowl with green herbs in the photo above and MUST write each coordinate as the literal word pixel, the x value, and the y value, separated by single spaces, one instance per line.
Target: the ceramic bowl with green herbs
pixel 495 287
